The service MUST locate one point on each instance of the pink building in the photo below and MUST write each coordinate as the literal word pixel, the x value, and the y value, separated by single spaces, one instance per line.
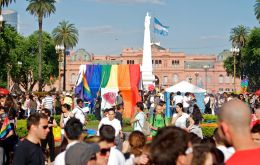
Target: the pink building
pixel 168 67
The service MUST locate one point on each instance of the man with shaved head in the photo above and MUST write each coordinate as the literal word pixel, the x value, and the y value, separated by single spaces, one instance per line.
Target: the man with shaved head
pixel 234 127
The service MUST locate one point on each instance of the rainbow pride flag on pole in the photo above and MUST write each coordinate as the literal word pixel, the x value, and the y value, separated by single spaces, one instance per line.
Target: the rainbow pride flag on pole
pixel 5 129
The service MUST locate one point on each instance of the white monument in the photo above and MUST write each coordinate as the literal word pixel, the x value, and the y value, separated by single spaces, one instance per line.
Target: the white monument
pixel 147 68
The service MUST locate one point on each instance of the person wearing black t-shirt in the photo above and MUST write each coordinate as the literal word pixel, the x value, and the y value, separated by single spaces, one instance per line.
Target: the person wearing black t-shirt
pixel 50 137
pixel 29 151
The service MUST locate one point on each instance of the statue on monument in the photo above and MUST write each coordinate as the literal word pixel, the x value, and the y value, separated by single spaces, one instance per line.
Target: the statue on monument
pixel 147 21
pixel 147 69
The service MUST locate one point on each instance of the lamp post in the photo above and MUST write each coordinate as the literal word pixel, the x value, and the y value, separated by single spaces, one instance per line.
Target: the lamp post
pixel 1 21
pixel 59 50
pixel 190 78
pixel 206 67
pixel 196 75
pixel 234 51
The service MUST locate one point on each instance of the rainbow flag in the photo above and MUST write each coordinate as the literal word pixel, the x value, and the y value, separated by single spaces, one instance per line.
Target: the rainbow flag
pixel 86 89
pixel 6 128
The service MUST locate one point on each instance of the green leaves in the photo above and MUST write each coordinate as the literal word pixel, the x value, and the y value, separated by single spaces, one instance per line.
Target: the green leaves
pixel 248 60
pixel 65 34
pixel 15 48
pixel 257 10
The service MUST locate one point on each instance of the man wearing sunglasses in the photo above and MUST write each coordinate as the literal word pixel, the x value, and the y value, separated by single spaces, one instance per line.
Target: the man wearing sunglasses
pixel 73 130
pixel 29 151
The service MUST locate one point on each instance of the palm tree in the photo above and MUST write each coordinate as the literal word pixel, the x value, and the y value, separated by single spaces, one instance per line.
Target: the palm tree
pixel 41 9
pixel 4 3
pixel 257 10
pixel 67 35
pixel 239 35
pixel 238 38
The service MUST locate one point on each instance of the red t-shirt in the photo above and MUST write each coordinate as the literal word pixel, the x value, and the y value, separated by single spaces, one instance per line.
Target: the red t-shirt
pixel 245 157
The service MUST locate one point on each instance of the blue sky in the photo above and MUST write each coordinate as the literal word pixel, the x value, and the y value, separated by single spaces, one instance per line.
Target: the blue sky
pixel 108 26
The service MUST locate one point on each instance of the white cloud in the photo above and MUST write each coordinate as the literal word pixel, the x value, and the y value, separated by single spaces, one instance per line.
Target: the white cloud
pixel 219 37
pixel 161 2
pixel 105 29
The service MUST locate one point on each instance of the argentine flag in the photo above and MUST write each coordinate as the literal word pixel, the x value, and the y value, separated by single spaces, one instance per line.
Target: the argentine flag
pixel 159 28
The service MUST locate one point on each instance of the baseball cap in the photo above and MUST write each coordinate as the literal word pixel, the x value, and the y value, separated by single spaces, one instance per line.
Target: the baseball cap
pixel 80 153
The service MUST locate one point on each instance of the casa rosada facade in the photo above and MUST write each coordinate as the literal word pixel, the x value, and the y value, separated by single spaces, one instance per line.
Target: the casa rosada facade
pixel 169 68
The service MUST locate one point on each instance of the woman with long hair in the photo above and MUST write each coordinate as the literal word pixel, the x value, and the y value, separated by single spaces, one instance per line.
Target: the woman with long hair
pixel 182 119
pixel 197 117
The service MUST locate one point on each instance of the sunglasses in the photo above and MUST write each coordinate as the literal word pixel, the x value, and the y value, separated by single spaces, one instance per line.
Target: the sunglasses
pixel 103 151
pixel 45 127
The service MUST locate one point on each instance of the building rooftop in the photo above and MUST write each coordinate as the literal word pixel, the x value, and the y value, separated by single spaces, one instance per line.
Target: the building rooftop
pixel 8 11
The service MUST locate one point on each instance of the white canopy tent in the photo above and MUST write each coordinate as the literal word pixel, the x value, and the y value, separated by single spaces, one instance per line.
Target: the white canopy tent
pixel 184 86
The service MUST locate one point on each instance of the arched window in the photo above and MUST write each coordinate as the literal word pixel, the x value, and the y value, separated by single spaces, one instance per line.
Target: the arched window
pixel 73 78
pixel 175 78
pixel 221 79
pixel 165 80
pixel 227 79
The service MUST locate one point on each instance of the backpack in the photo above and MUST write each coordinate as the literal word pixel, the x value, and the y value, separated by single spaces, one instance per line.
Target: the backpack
pixel 146 128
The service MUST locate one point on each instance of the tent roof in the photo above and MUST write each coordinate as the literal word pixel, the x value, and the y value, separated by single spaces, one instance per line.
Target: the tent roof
pixel 184 86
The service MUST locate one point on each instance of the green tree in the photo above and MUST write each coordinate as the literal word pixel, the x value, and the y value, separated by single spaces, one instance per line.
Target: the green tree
pixel 65 34
pixel 250 54
pixel 257 10
pixel 238 37
pixel 40 9
pixel 26 53
pixel 251 58
pixel 8 41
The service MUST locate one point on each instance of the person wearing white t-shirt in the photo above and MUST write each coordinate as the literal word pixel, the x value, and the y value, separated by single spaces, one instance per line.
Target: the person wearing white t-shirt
pixel 111 120
pixel 78 112
pixel 73 131
pixel 180 118
pixel 139 118
pixel 178 98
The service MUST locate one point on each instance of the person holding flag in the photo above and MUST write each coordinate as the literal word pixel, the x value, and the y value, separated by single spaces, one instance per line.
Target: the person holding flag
pixel 7 137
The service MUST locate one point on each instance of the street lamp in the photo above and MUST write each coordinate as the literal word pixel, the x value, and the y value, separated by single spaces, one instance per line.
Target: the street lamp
pixel 190 78
pixel 206 67
pixel 59 50
pixel 197 75
pixel 1 21
pixel 234 51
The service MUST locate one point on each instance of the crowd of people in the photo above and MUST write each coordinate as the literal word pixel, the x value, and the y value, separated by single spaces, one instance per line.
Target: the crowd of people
pixel 155 139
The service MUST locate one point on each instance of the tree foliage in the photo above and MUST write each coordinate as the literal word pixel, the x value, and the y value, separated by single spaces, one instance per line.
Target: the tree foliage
pixel 8 39
pixel 239 35
pixel 66 34
pixel 257 10
pixel 20 54
pixel 249 60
